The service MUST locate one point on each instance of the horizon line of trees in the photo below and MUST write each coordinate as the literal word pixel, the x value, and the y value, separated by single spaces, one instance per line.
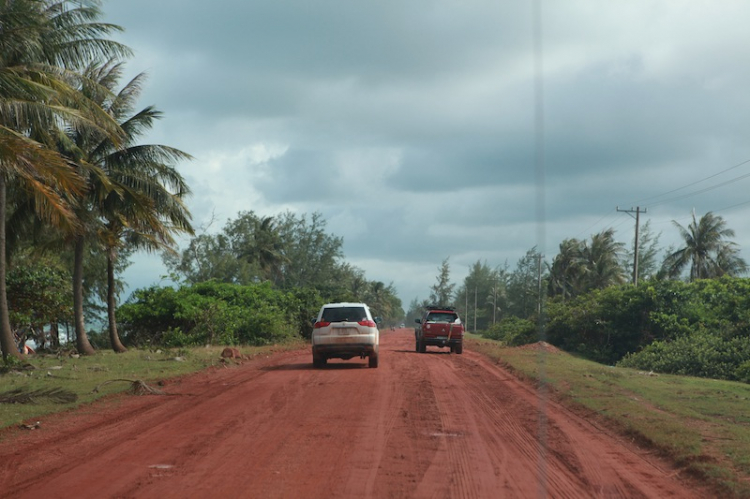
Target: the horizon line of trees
pixel 290 252
pixel 259 280
pixel 489 294
pixel 686 315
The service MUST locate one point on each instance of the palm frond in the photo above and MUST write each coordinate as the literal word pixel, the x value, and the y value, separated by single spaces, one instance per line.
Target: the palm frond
pixel 23 396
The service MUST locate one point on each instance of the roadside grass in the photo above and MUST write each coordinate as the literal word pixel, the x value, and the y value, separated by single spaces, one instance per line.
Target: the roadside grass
pixel 80 376
pixel 702 425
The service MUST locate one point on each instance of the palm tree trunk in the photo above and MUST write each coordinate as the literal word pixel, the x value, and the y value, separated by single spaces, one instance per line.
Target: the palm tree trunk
pixel 7 343
pixel 114 338
pixel 82 340
pixel 54 334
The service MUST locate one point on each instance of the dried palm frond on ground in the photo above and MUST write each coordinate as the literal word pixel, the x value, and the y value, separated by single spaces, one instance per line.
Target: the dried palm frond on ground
pixel 138 387
pixel 20 396
pixel 26 366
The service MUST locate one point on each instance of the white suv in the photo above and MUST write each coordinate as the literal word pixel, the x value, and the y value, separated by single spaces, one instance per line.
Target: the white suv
pixel 343 331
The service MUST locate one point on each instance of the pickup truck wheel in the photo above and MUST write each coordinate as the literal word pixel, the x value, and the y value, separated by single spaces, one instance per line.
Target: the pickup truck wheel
pixel 422 348
pixel 416 348
pixel 459 348
pixel 373 360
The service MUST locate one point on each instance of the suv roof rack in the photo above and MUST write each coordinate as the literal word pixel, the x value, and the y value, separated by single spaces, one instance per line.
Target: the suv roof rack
pixel 439 307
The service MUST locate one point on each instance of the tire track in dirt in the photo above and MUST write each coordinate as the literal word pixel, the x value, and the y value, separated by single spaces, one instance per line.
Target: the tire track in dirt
pixel 461 466
pixel 576 458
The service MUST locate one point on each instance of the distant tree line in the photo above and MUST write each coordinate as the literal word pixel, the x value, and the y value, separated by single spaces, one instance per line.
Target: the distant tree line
pixel 687 315
pixel 258 280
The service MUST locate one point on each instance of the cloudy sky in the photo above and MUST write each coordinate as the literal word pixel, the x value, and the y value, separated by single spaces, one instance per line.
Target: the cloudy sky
pixel 411 125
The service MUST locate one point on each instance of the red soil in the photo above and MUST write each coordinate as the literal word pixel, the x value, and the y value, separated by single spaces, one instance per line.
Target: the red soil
pixel 420 425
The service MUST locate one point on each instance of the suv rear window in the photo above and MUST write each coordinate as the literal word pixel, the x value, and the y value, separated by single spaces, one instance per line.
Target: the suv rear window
pixel 442 317
pixel 344 314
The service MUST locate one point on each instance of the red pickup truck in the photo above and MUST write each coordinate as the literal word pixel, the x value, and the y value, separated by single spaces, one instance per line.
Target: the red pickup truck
pixel 441 327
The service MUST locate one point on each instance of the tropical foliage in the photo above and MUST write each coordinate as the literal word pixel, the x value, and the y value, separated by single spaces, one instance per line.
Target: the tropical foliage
pixel 582 266
pixel 513 331
pixel 288 251
pixel 696 326
pixel 39 294
pixel 43 46
pixel 214 313
pixel 67 155
pixel 707 251
pixel 441 293
pixel 483 297
pixel 700 328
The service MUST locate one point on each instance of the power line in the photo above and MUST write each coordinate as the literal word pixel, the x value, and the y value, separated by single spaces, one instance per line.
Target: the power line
pixel 594 224
pixel 686 195
pixel 641 201
pixel 688 217
pixel 696 192
pixel 701 191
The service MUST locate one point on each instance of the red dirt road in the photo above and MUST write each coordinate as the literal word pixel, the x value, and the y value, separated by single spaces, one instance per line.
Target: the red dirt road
pixel 421 425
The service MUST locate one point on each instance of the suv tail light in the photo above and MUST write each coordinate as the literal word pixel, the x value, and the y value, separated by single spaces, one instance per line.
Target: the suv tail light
pixel 320 324
pixel 366 323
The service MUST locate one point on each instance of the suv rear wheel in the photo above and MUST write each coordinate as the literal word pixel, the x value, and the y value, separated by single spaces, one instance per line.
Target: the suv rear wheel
pixel 373 360
pixel 318 360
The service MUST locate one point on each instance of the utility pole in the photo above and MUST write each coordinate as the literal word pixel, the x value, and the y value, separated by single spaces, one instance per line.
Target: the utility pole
pixel 466 307
pixel 494 301
pixel 637 217
pixel 539 288
pixel 475 308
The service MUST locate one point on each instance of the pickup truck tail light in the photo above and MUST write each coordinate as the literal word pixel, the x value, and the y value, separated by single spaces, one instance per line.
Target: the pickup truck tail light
pixel 320 324
pixel 367 323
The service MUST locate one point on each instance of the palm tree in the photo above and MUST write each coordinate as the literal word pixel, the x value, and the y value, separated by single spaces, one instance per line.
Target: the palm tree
pixel 77 41
pixel 40 41
pixel 138 200
pixel 265 250
pixel 582 266
pixel 706 250
pixel 602 259
pixel 567 269
pixel 378 297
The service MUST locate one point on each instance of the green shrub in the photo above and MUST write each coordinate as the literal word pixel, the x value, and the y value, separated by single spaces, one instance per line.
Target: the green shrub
pixel 742 373
pixel 175 338
pixel 213 313
pixel 513 331
pixel 606 325
pixel 701 353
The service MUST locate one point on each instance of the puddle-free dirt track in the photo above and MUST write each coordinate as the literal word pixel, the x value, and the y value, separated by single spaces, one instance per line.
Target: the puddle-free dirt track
pixel 434 425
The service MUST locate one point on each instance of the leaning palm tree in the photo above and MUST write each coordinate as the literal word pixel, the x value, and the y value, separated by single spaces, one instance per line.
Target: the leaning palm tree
pixel 41 44
pixel 728 261
pixel 145 219
pixel 602 258
pixel 706 250
pixel 139 199
pixel 567 270
pixel 136 220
